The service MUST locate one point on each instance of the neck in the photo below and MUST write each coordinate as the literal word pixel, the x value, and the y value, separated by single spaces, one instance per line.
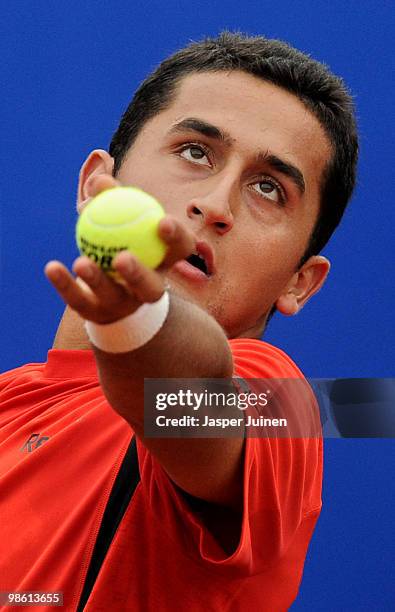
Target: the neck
pixel 71 334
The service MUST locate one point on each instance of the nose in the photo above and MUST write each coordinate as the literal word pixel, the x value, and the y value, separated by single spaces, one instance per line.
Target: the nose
pixel 213 208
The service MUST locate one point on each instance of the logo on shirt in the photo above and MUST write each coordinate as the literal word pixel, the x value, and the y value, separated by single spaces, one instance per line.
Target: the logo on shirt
pixel 34 441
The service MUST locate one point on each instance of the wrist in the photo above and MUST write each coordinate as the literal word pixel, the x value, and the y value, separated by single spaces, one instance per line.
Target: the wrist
pixel 131 332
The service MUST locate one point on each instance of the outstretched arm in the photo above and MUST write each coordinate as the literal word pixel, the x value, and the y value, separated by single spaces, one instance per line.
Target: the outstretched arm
pixel 191 344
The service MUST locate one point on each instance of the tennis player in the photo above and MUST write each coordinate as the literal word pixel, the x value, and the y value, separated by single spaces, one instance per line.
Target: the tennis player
pixel 251 147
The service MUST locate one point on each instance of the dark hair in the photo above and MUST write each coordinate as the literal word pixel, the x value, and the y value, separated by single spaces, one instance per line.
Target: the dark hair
pixel 323 93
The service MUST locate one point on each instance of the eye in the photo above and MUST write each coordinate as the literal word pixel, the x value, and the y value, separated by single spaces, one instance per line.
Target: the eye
pixel 271 190
pixel 195 153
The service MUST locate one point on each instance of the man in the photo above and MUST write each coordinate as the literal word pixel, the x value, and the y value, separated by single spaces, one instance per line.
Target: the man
pixel 251 147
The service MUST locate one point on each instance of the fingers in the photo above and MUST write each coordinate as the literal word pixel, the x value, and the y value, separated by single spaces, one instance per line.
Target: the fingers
pixel 145 284
pixel 93 295
pixel 73 294
pixel 132 277
pixel 104 288
pixel 99 297
pixel 180 241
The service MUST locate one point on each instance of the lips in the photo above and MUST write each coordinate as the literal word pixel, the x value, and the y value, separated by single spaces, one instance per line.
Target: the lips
pixel 203 258
pixel 206 253
pixel 199 266
pixel 198 262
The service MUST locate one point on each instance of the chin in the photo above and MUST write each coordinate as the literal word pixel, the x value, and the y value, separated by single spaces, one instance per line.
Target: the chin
pixel 182 290
pixel 202 298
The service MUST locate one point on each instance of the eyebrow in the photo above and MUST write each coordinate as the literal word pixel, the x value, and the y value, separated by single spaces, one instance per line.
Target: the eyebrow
pixel 285 168
pixel 192 124
pixel 207 129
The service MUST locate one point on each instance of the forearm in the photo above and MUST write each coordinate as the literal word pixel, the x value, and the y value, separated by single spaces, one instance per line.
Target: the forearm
pixel 191 344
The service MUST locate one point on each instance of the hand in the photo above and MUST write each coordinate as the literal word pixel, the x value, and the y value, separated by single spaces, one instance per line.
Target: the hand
pixel 102 299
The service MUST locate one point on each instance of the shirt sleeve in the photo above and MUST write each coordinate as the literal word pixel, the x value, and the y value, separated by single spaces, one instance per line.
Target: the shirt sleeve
pixel 282 483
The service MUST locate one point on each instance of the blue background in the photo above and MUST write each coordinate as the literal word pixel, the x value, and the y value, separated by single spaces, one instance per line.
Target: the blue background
pixel 69 72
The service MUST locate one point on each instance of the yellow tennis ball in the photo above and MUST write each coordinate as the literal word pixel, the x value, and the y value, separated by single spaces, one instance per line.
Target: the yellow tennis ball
pixel 118 219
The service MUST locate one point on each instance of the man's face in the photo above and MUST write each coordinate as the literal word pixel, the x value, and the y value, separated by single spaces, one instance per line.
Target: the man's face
pixel 239 161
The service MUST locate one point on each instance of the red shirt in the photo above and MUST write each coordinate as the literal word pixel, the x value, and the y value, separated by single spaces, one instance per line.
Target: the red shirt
pixel 54 491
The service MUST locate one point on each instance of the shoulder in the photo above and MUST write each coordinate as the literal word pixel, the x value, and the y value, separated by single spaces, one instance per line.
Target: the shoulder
pixel 20 374
pixel 257 359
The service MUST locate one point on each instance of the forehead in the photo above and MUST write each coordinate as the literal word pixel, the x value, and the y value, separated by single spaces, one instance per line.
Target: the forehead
pixel 257 115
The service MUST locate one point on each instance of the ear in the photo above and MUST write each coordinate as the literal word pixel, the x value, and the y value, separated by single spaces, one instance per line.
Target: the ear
pixel 98 162
pixel 303 285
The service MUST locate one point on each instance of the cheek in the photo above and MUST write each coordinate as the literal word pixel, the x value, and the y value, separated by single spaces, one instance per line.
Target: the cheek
pixel 153 181
pixel 255 276
pixel 269 259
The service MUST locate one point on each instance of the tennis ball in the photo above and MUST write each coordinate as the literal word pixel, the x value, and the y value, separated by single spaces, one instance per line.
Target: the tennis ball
pixel 118 219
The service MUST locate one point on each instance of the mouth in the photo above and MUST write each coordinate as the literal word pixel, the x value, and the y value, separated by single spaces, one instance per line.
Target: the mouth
pixel 198 262
pixel 199 266
pixel 203 258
